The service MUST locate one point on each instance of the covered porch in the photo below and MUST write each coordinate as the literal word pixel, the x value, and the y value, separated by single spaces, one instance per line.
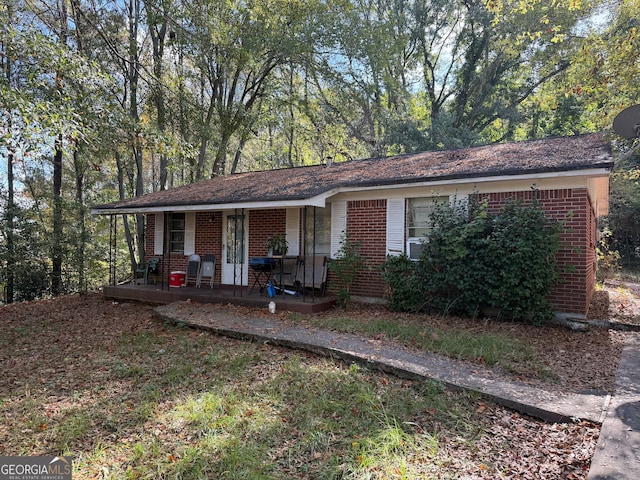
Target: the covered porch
pixel 231 240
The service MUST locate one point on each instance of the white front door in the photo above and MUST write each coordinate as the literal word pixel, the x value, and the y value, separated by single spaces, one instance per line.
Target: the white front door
pixel 235 249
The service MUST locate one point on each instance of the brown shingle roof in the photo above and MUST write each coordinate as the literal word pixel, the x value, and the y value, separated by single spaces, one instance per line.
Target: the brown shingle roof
pixel 518 158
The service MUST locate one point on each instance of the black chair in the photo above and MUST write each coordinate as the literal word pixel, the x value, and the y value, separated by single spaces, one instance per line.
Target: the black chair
pixel 193 269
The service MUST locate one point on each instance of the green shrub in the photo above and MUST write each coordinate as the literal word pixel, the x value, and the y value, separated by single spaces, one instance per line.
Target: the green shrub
pixel 474 260
pixel 345 266
pixel 523 249
pixel 608 259
pixel 31 281
pixel 407 294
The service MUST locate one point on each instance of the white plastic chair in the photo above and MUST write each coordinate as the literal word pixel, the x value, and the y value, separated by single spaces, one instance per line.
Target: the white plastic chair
pixel 207 270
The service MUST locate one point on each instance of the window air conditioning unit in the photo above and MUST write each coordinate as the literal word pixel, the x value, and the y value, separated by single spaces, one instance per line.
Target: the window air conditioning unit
pixel 414 247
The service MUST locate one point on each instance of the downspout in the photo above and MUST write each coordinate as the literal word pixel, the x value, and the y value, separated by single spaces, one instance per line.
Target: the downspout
pixel 113 223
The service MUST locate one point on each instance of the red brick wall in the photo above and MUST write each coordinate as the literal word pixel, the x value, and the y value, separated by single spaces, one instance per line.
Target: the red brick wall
pixel 262 224
pixel 209 238
pixel 367 224
pixel 576 257
pixel 149 235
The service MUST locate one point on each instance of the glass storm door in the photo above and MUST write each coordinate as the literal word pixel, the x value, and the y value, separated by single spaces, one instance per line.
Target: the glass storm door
pixel 235 250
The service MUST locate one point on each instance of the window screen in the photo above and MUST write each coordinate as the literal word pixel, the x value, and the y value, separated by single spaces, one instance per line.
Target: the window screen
pixel 419 212
pixel 176 233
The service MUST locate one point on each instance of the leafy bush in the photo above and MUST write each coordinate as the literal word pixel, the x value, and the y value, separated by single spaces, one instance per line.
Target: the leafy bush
pixel 523 250
pixel 31 281
pixel 345 266
pixel 608 259
pixel 407 289
pixel 474 261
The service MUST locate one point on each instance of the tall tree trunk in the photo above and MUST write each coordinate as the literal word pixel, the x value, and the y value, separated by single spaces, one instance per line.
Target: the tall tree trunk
pixel 125 218
pixel 79 169
pixel 134 69
pixel 204 140
pixel 56 236
pixel 10 212
pixel 157 23
pixel 291 119
pixel 185 133
pixel 243 140
pixel 220 161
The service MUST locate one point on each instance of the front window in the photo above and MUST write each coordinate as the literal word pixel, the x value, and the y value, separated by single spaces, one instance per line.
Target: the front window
pixel 176 233
pixel 418 222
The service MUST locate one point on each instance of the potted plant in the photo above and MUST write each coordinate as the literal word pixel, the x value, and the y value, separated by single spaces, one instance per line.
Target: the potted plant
pixel 277 245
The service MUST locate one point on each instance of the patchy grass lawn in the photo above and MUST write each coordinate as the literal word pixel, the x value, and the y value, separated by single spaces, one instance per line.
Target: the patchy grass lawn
pixel 549 356
pixel 131 397
pixel 477 344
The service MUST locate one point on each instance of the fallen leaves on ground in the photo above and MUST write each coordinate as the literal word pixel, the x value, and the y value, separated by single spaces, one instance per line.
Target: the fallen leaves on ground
pixel 618 301
pixel 59 358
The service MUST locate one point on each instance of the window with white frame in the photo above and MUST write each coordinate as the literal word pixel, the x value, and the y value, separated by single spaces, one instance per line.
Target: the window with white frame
pixel 177 232
pixel 418 222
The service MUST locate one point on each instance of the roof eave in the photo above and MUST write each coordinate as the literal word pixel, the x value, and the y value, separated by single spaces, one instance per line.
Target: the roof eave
pixel 600 171
pixel 313 201
pixel 319 200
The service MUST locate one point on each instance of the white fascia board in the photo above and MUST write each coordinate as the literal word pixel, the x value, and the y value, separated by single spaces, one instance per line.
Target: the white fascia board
pixel 317 201
pixel 533 178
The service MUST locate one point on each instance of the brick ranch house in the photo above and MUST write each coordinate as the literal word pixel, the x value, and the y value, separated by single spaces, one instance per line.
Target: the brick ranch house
pixel 381 203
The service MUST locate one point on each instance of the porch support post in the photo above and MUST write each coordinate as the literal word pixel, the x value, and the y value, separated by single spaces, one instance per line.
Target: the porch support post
pixel 167 245
pixel 313 267
pixel 165 250
pixel 113 248
pixel 243 247
pixel 305 253
pixel 234 247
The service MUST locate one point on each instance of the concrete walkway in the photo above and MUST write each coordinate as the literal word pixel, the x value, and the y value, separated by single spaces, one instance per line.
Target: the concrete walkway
pixel 617 454
pixel 618 449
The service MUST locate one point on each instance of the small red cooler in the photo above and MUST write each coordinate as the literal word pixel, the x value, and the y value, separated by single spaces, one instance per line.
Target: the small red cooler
pixel 176 279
